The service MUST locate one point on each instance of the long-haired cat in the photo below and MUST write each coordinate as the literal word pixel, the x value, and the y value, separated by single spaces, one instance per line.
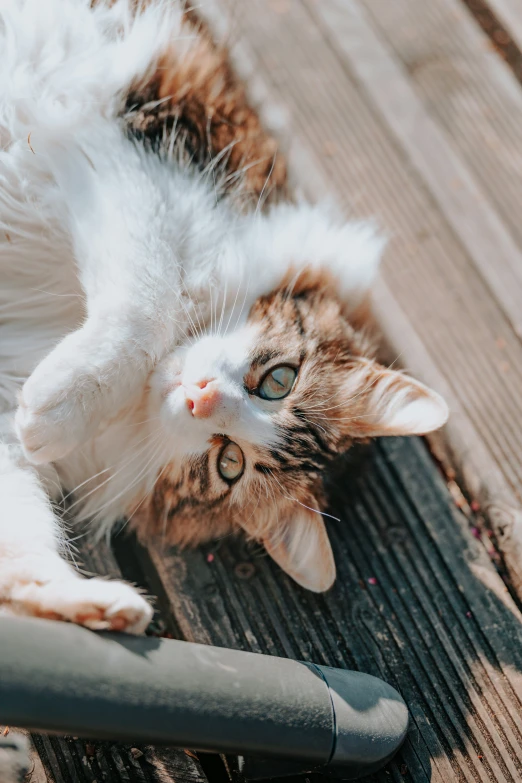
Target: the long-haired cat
pixel 172 350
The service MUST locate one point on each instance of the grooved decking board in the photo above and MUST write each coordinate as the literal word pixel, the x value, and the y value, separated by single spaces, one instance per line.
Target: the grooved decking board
pixel 441 316
pixel 74 760
pixel 509 14
pixel 462 95
pixel 438 624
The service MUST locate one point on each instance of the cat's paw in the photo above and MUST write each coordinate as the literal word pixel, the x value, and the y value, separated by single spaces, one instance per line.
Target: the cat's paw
pixel 87 378
pixel 98 604
pixel 48 434
pixel 60 402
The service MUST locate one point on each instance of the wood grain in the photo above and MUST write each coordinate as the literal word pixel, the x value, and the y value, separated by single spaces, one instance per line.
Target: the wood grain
pixel 457 109
pixel 509 13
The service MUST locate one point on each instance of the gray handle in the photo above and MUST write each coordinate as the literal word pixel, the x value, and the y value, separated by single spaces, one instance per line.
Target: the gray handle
pixel 61 678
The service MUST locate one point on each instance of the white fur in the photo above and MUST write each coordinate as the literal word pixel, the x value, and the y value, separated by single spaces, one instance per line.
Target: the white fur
pixel 317 236
pixel 108 257
pixel 414 409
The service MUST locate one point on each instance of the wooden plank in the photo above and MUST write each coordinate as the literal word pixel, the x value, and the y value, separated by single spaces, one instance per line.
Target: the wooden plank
pixel 438 624
pixel 458 194
pixel 509 14
pixel 457 108
pixel 452 331
pixel 74 760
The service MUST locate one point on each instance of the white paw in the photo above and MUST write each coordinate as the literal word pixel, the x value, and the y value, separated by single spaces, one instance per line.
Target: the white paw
pixel 48 435
pixel 98 604
pixel 58 403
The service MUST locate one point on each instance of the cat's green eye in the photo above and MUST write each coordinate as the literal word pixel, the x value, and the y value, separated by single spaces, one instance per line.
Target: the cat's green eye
pixel 231 462
pixel 278 383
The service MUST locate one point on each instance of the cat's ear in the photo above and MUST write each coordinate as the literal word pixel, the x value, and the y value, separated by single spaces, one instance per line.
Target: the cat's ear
pixel 300 546
pixel 392 403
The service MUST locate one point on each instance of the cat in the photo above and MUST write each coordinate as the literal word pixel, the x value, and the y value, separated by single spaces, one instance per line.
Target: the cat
pixel 179 341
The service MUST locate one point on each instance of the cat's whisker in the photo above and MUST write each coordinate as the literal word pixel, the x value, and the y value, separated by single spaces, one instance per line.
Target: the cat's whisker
pixel 223 308
pixel 233 306
pixel 183 305
pixel 179 298
pixel 196 313
pixel 244 299
pixel 345 403
pixel 209 147
pixel 124 466
pixel 172 139
pixel 164 525
pixel 95 515
pixel 320 403
pixel 243 169
pixel 289 290
pixel 258 499
pixel 81 501
pixel 295 500
pixel 259 206
pixel 54 293
pixel 91 478
pixel 390 367
pixel 143 421
pixel 211 307
pixel 199 332
pixel 217 159
pixel 215 306
pixel 87 481
pixel 313 423
pixel 156 480
pixel 274 502
pixel 355 418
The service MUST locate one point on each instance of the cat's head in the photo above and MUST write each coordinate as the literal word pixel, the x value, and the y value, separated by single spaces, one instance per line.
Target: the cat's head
pixel 257 410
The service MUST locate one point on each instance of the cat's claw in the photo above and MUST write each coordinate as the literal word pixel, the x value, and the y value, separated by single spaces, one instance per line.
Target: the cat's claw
pixel 97 604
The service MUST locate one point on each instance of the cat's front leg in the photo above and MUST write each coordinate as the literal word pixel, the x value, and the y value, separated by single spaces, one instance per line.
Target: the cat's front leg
pixel 90 376
pixel 130 279
pixel 34 579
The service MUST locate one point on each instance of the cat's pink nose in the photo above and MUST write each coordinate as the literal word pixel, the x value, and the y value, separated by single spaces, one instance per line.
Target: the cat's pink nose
pixel 202 398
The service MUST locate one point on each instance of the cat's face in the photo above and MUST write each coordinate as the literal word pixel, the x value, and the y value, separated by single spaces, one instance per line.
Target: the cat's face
pixel 254 414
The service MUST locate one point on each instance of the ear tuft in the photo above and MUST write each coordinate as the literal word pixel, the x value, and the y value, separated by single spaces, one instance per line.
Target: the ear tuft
pixel 301 548
pixel 419 416
pixel 395 404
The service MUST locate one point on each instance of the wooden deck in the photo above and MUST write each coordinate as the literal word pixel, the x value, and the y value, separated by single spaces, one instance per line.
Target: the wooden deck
pixel 409 111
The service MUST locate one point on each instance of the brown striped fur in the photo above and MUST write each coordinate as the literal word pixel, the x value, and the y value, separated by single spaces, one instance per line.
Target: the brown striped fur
pixel 193 93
